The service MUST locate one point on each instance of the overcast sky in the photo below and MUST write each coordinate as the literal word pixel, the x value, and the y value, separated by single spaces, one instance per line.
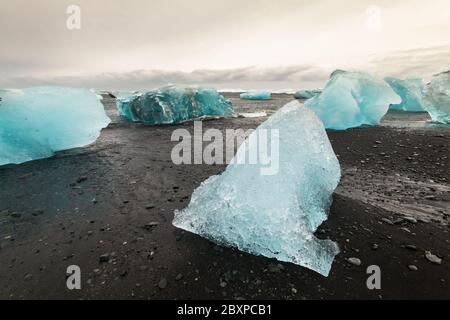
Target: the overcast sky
pixel 224 43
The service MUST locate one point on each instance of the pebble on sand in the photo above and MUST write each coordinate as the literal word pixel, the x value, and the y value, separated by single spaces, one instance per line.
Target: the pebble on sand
pixel 354 261
pixel 179 277
pixel 410 219
pixel 28 277
pixel 412 267
pixel 162 284
pixel 104 258
pixel 387 221
pixel 432 258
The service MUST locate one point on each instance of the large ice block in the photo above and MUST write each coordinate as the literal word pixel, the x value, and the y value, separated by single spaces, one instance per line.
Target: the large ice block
pixel 411 91
pixel 172 104
pixel 352 99
pixel 256 95
pixel 272 215
pixel 36 122
pixel 306 94
pixel 437 97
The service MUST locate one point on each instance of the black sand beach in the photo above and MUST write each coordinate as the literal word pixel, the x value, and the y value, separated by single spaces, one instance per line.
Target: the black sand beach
pixel 108 209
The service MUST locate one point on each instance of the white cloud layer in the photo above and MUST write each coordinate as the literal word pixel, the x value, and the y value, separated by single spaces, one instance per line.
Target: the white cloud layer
pixel 406 64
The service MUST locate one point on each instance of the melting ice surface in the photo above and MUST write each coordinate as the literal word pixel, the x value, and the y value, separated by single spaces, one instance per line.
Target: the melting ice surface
pixel 437 97
pixel 411 92
pixel 172 104
pixel 256 95
pixel 36 122
pixel 272 215
pixel 352 99
pixel 306 94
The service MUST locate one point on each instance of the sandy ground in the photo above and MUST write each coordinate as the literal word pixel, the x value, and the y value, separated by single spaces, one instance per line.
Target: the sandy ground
pixel 108 209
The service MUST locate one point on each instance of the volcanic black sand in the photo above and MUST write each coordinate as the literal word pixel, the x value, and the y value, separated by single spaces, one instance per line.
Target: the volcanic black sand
pixel 108 209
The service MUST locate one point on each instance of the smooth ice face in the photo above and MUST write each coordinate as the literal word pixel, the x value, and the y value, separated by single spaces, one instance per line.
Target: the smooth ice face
pixel 170 105
pixel 352 99
pixel 272 215
pixel 306 94
pixel 36 122
pixel 411 92
pixel 437 98
pixel 256 95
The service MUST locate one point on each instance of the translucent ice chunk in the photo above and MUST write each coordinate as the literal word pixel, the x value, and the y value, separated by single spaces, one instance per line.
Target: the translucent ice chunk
pixel 306 94
pixel 123 103
pixel 437 97
pixel 36 122
pixel 352 99
pixel 170 105
pixel 411 92
pixel 272 215
pixel 256 95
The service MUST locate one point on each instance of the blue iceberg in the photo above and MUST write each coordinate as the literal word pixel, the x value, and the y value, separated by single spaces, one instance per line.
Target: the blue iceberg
pixel 437 97
pixel 274 215
pixel 411 92
pixel 256 95
pixel 352 99
pixel 172 104
pixel 37 122
pixel 306 94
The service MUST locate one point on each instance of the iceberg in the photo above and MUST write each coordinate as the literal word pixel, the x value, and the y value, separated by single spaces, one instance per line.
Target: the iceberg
pixel 37 122
pixel 437 97
pixel 411 92
pixel 172 104
pixel 272 215
pixel 306 94
pixel 352 99
pixel 256 95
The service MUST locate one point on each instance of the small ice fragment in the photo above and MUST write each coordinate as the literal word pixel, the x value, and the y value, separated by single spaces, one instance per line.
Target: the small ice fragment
pixel 411 92
pixel 37 122
pixel 306 94
pixel 253 114
pixel 437 97
pixel 352 99
pixel 172 104
pixel 256 95
pixel 272 215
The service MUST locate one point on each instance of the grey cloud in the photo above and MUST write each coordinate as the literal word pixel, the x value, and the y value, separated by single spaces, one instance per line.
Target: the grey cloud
pixel 413 63
pixel 421 63
pixel 254 77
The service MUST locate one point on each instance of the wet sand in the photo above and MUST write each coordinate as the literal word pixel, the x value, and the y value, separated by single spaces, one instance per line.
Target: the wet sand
pixel 108 209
